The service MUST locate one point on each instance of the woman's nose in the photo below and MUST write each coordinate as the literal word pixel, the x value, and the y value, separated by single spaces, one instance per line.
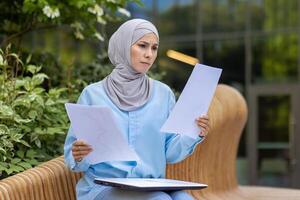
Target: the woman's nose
pixel 148 53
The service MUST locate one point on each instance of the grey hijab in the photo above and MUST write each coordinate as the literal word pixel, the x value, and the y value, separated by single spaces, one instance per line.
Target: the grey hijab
pixel 127 88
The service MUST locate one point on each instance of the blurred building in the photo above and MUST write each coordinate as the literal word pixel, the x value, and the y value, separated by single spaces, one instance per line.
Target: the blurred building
pixel 256 42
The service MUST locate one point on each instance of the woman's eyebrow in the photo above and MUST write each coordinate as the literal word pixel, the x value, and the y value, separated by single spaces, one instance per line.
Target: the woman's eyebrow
pixel 149 43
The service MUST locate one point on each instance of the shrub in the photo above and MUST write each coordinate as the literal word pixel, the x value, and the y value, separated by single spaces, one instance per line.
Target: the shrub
pixel 33 121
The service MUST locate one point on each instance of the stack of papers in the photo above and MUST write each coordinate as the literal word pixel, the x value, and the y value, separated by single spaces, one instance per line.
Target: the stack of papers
pixel 193 102
pixel 96 126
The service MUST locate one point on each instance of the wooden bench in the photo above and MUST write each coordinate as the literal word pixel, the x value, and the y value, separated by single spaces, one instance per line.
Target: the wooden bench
pixel 213 162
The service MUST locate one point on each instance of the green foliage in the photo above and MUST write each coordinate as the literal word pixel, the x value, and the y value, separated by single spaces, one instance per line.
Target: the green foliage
pixel 33 121
pixel 84 17
pixel 280 52
pixel 94 71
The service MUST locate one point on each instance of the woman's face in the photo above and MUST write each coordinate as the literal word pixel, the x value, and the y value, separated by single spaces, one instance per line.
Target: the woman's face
pixel 144 52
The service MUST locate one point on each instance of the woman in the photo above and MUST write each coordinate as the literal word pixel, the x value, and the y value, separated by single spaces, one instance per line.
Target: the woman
pixel 141 105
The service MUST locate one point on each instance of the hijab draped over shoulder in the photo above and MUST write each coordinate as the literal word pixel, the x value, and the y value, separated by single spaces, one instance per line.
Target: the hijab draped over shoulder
pixel 127 88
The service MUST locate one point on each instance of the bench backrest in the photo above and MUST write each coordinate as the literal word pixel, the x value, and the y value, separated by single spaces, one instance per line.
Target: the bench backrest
pixel 213 162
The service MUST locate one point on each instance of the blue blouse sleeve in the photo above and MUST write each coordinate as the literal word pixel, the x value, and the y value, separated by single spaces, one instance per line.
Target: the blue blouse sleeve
pixel 83 165
pixel 178 146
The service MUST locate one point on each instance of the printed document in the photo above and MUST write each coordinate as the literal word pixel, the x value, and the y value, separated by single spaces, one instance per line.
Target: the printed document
pixel 97 126
pixel 193 102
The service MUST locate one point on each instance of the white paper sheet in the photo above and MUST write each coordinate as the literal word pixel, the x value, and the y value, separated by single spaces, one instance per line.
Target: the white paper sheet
pixel 97 126
pixel 193 102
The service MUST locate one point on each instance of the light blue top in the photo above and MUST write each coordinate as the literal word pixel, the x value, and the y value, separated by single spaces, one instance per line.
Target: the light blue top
pixel 141 130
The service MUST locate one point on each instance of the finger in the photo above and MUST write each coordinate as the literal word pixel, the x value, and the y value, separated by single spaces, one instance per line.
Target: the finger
pixel 81 153
pixel 83 147
pixel 202 125
pixel 203 119
pixel 80 148
pixel 80 143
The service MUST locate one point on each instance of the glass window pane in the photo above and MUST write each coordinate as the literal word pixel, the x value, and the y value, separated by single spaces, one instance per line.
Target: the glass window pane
pixel 273 140
pixel 229 55
pixel 227 15
pixel 176 18
pixel 274 14
pixel 273 168
pixel 275 58
pixel 273 118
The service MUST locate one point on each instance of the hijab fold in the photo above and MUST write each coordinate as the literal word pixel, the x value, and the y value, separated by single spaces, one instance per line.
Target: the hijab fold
pixel 127 88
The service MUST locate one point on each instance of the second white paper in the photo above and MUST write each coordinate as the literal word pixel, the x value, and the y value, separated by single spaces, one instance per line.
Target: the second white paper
pixel 194 101
pixel 96 126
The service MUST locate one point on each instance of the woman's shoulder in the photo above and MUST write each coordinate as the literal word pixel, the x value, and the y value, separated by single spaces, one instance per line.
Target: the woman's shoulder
pixel 162 86
pixel 97 86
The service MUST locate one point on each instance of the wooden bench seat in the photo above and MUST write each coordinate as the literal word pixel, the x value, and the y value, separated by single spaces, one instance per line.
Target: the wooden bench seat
pixel 213 162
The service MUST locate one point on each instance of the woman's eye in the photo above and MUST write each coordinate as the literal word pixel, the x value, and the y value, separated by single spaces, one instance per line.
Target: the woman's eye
pixel 154 48
pixel 142 45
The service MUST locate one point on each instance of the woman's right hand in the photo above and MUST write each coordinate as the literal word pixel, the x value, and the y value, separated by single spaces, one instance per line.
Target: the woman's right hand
pixel 80 149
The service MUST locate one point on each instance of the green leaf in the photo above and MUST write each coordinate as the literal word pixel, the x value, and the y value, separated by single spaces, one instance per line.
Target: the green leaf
pixel 27 84
pixel 80 3
pixel 15 160
pixel 24 143
pixel 32 69
pixel 24 128
pixel 21 102
pixel 53 130
pixel 29 6
pixel 20 83
pixel 19 120
pixel 3 129
pixel 3 164
pixel 32 97
pixel 30 153
pixel 6 112
pixel 38 79
pixel 25 165
pixel 38 90
pixel 28 59
pixel 16 168
pixel 33 137
pixel 8 171
pixel 2 150
pixel 7 143
pixel 32 114
pixel 1 60
pixel 33 162
pixel 49 102
pixel 2 168
pixel 20 153
pixel 38 143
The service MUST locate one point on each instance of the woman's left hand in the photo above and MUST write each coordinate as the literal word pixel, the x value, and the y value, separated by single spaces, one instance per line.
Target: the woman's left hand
pixel 203 123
